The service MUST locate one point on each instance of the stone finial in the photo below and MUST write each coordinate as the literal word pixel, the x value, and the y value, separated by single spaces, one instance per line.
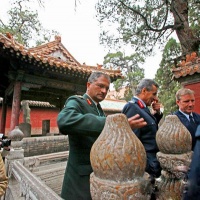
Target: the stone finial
pixel 16 136
pixel 16 153
pixel 174 142
pixel 173 137
pixel 118 160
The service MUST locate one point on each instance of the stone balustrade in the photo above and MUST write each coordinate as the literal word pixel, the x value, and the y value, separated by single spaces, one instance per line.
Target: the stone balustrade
pixel 34 162
pixel 118 160
pixel 25 185
pixel 175 143
pixel 44 145
pixel 50 168
pixel 33 177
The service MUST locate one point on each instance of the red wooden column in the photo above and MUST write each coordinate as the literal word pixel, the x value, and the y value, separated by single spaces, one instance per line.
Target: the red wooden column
pixel 3 116
pixel 15 106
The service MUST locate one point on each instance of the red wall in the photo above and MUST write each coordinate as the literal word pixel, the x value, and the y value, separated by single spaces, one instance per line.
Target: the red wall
pixel 37 115
pixel 196 88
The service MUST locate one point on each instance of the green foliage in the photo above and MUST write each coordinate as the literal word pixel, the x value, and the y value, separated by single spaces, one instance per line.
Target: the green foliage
pixel 194 17
pixel 129 66
pixel 164 77
pixel 144 23
pixel 23 23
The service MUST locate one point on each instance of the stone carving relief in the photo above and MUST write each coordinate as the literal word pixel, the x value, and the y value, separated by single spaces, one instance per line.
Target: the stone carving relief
pixel 118 160
pixel 174 142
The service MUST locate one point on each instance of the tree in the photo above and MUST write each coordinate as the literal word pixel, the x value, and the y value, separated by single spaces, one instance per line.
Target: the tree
pixel 23 23
pixel 144 23
pixel 129 66
pixel 164 76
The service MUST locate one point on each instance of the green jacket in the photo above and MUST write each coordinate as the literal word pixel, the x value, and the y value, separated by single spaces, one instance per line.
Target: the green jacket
pixel 81 121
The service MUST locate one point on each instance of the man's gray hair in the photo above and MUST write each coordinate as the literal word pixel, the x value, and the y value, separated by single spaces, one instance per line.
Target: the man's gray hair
pixel 145 83
pixel 183 91
pixel 95 75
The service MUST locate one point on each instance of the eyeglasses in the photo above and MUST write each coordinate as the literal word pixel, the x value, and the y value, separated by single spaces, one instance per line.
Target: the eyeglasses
pixel 101 86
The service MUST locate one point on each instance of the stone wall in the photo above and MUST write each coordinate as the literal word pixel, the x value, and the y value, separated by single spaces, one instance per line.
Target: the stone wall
pixel 44 145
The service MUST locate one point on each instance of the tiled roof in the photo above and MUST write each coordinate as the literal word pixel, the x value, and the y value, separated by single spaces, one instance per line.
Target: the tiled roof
pixel 52 54
pixel 55 46
pixel 38 103
pixel 106 104
pixel 187 67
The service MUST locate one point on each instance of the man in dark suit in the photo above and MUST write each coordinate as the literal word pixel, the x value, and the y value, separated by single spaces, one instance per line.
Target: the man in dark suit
pixel 83 119
pixel 146 95
pixel 192 192
pixel 185 100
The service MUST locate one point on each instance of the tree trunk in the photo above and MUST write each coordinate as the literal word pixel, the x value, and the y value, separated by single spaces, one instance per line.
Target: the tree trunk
pixel 189 43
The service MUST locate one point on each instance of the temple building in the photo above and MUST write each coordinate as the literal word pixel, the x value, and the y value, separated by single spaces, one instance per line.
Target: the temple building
pixel 46 73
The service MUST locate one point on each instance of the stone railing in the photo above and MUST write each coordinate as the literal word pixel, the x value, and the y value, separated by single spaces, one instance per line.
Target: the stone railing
pixel 118 160
pixel 50 168
pixel 34 162
pixel 31 177
pixel 44 145
pixel 175 144
pixel 24 184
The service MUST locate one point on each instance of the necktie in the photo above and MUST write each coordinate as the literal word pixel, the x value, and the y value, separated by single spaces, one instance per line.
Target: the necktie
pixel 192 122
pixel 101 113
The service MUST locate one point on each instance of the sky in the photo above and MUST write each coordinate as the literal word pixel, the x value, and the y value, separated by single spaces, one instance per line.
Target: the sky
pixel 79 31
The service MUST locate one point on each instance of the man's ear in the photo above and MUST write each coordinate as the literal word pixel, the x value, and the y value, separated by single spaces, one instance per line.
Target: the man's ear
pixel 144 90
pixel 88 84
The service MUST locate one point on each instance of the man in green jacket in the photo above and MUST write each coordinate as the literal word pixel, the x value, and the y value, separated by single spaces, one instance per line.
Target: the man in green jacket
pixel 83 119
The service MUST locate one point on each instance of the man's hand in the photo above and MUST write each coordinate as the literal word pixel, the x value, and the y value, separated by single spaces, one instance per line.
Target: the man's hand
pixel 136 122
pixel 156 106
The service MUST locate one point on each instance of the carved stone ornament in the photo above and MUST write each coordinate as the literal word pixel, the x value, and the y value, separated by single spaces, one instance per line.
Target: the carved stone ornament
pixel 16 136
pixel 118 159
pixel 174 142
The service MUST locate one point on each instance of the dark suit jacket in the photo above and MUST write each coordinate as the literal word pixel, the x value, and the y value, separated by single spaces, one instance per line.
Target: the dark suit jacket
pixel 147 134
pixel 193 190
pixel 186 123
pixel 80 120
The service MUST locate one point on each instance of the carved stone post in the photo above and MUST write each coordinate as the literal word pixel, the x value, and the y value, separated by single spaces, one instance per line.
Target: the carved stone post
pixel 16 153
pixel 174 142
pixel 26 112
pixel 118 160
pixel 26 126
